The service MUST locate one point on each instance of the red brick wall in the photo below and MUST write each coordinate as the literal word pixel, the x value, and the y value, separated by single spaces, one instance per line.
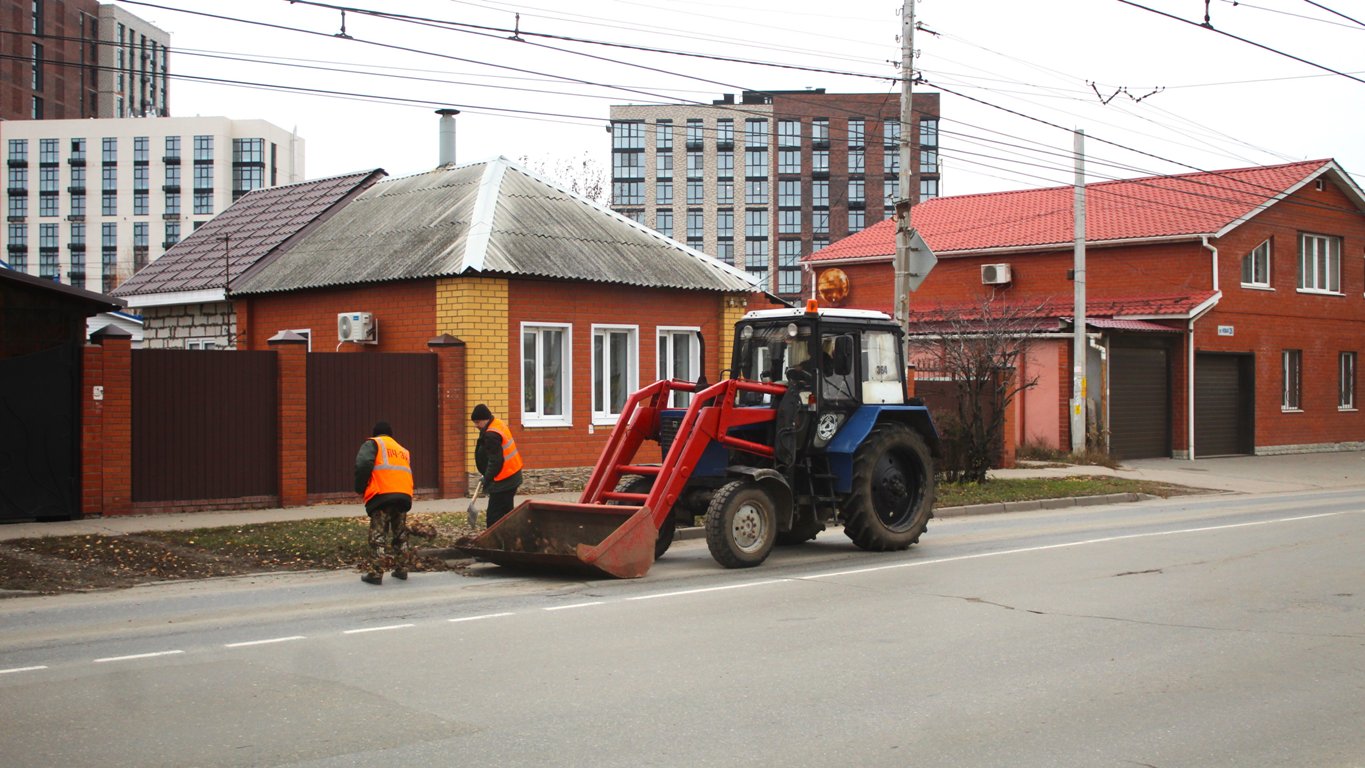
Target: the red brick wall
pixel 405 313
pixel 583 305
pixel 1265 322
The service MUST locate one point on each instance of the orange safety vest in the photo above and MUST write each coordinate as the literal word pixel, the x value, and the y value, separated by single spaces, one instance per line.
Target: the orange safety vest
pixel 392 471
pixel 511 459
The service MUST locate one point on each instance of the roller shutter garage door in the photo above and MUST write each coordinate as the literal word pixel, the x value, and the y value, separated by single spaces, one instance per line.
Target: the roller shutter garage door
pixel 1140 402
pixel 1222 405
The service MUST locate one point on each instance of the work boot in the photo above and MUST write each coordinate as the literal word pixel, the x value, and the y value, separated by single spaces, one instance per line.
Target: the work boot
pixel 373 578
pixel 400 573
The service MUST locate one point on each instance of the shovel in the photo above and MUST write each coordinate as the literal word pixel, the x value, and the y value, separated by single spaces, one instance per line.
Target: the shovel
pixel 474 513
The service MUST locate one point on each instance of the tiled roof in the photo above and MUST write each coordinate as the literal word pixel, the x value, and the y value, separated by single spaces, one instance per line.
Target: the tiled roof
pixel 236 239
pixel 1155 207
pixel 486 218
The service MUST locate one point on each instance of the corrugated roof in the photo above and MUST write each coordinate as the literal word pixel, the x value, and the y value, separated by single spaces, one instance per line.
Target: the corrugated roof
pixel 1154 207
pixel 1101 312
pixel 486 218
pixel 241 236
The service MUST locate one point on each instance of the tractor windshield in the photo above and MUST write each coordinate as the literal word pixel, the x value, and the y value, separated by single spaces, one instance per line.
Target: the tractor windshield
pixel 767 351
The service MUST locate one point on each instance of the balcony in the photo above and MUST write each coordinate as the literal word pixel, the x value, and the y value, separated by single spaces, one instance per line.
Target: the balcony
pixel 170 216
pixel 17 191
pixel 171 159
pixel 79 162
pixel 16 219
pixel 75 217
pixel 166 245
pixel 172 188
pixel 77 247
pixel 17 162
pixel 75 190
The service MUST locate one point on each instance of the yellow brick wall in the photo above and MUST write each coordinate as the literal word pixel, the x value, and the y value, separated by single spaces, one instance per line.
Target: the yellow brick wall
pixel 732 309
pixel 474 310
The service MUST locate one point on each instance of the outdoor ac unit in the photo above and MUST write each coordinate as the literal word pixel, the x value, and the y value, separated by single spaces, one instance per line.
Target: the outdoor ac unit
pixel 357 327
pixel 995 274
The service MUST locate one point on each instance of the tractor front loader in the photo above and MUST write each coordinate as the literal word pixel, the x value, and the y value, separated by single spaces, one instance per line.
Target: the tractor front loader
pixel 813 427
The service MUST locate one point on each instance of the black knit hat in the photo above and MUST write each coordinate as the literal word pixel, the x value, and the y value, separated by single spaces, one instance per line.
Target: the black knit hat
pixel 480 413
pixel 381 428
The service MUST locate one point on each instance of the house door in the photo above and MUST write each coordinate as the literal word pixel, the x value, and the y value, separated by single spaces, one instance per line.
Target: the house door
pixel 1139 401
pixel 41 425
pixel 1223 404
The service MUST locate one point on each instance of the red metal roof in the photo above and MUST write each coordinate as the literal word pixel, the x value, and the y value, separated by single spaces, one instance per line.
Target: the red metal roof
pixel 1111 311
pixel 1188 205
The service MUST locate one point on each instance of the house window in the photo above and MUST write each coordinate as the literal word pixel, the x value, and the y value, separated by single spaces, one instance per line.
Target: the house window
pixel 679 358
pixel 615 352
pixel 1256 266
pixel 663 164
pixel 201 343
pixel 1346 388
pixel 663 193
pixel 663 136
pixel 788 266
pixel 1319 263
pixel 725 132
pixel 628 192
pixel 756 192
pixel 1293 370
pixel 725 165
pixel 664 223
pixel 544 378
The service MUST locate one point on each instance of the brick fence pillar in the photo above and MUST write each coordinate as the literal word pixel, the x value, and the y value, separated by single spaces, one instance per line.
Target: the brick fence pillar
pixel 92 430
pixel 291 354
pixel 453 481
pixel 115 417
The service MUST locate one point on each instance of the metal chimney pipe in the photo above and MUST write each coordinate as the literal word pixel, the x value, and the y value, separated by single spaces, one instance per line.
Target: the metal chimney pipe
pixel 447 135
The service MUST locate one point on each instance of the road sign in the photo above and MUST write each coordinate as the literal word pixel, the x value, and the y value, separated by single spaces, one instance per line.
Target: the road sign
pixel 912 251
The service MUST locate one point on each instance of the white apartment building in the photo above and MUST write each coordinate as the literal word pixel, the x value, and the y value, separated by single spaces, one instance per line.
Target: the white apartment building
pixel 90 202
pixel 133 61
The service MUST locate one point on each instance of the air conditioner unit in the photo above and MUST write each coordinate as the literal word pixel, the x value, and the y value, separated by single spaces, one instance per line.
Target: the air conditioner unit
pixel 995 274
pixel 358 327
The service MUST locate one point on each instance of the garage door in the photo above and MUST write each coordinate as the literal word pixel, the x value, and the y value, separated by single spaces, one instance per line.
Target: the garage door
pixel 1222 405
pixel 1140 402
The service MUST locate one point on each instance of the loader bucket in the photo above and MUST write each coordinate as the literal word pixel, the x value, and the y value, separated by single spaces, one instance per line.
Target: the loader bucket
pixel 593 539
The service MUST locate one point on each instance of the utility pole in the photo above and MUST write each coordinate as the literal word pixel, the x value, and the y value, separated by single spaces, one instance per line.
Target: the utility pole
pixel 904 229
pixel 1078 354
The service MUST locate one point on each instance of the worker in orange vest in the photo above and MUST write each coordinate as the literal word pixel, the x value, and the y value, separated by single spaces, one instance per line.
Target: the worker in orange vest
pixel 498 461
pixel 383 472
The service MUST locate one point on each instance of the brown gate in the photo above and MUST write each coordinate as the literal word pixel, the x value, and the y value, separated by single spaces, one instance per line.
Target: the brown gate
pixel 1139 398
pixel 1224 415
pixel 204 425
pixel 348 393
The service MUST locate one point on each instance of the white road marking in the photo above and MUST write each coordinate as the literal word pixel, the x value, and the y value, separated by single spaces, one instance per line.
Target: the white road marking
pixel 575 605
pixel 22 669
pixel 137 656
pixel 1063 545
pixel 264 642
pixel 701 590
pixel 484 616
pixel 376 629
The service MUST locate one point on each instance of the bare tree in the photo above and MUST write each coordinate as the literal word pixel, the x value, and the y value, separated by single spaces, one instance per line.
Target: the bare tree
pixel 977 352
pixel 582 175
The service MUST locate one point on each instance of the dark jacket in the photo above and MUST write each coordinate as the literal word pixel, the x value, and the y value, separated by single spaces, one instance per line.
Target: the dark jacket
pixel 488 459
pixel 364 465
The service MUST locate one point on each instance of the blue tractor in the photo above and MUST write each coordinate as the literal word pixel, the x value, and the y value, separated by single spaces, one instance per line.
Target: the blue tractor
pixel 812 427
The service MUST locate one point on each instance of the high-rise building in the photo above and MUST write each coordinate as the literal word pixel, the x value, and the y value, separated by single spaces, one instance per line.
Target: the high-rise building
pixel 761 182
pixel 90 202
pixel 68 59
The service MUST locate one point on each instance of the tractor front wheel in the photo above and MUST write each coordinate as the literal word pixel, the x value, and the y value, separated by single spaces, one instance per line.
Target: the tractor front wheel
pixel 741 524
pixel 893 490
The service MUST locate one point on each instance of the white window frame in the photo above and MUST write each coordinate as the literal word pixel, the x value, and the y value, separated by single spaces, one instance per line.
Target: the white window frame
pixel 666 336
pixel 1291 381
pixel 201 342
pixel 1259 258
pixel 600 380
pixel 1346 381
pixel 536 418
pixel 1310 279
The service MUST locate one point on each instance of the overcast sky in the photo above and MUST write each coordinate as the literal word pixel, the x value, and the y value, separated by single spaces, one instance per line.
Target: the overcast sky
pixel 1016 77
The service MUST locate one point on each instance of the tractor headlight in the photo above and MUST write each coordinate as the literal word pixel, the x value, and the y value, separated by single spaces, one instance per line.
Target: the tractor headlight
pixel 792 330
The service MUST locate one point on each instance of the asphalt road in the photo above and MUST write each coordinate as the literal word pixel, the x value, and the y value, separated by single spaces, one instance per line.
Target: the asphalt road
pixel 1213 631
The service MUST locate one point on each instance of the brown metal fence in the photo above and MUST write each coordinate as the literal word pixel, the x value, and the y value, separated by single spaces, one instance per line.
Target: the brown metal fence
pixel 204 425
pixel 348 393
pixel 941 396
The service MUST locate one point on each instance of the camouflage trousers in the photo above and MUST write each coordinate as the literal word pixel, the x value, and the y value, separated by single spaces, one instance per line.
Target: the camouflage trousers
pixel 389 541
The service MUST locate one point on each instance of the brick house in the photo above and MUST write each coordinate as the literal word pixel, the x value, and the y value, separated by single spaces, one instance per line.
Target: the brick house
pixel 183 296
pixel 1251 278
pixel 563 306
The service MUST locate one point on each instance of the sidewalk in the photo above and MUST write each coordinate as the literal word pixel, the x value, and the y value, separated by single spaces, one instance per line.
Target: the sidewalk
pixel 1238 474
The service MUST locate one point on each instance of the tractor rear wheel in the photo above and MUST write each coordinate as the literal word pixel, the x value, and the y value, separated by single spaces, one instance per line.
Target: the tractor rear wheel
pixel 639 484
pixel 741 524
pixel 893 490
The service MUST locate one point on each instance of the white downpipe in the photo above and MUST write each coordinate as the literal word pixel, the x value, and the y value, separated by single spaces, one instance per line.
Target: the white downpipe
pixel 1214 250
pixel 1189 398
